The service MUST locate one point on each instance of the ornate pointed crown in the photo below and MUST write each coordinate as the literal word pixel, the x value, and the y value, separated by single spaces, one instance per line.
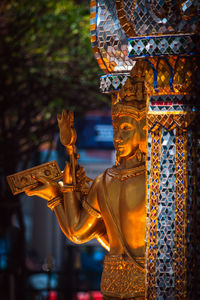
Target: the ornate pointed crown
pixel 131 100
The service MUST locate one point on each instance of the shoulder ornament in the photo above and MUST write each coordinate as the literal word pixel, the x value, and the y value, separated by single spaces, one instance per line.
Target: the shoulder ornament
pixel 122 175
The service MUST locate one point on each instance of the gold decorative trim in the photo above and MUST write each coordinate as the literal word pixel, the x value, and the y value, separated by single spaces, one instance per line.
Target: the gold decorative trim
pixel 153 214
pixel 195 210
pixel 121 277
pixel 68 188
pixel 119 110
pixel 91 210
pixel 169 120
pixel 180 258
pixel 127 173
pixel 54 202
pixel 164 14
pixel 74 188
pixel 181 112
pixel 128 29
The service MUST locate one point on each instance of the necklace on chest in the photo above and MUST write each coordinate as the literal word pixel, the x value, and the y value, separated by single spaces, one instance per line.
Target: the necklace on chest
pixel 123 174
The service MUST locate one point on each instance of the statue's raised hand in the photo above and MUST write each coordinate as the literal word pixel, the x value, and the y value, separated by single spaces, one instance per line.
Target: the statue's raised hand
pixel 67 132
pixel 47 188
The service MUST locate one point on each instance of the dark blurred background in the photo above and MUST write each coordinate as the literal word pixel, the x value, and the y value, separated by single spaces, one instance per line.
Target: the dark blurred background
pixel 46 65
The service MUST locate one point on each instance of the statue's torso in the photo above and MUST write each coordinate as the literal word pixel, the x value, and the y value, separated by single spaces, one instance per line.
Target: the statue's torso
pixel 125 206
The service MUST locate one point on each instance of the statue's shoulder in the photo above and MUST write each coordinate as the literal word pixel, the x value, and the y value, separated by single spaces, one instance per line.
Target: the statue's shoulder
pixel 100 178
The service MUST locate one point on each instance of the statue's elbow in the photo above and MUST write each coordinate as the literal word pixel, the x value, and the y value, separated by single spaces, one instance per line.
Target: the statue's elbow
pixel 80 237
pixel 74 238
pixel 76 233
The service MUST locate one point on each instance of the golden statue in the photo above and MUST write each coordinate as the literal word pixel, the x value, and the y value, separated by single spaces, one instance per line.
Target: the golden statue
pixel 113 209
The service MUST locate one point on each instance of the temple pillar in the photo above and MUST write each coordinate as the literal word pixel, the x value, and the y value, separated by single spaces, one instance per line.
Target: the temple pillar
pixel 164 35
pixel 172 253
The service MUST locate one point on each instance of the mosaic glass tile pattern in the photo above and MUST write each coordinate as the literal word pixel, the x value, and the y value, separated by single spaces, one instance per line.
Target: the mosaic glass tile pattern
pixel 169 103
pixel 148 168
pixel 169 120
pixel 198 211
pixel 166 216
pixel 153 213
pixel 166 205
pixel 180 217
pixel 192 215
pixel 113 82
pixel 109 42
pixel 165 45
pixel 171 75
pixel 149 17
pixel 93 34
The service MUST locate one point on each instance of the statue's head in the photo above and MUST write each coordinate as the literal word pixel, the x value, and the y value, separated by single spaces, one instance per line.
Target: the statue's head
pixel 129 119
pixel 129 127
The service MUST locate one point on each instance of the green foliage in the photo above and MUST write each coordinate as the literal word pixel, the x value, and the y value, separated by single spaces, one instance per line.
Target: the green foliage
pixel 46 64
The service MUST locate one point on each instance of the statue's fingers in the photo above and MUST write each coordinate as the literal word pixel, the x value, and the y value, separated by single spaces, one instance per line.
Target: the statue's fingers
pixel 64 114
pixel 67 176
pixel 58 117
pixel 41 179
pixel 71 118
pixel 28 193
pixel 32 192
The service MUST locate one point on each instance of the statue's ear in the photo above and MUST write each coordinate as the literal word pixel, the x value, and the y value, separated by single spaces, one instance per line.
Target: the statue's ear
pixel 143 136
pixel 143 146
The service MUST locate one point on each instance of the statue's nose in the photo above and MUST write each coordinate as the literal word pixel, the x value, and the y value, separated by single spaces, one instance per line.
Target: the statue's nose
pixel 117 138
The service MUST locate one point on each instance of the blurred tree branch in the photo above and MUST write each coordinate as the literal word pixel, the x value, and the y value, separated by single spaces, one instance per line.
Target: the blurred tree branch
pixel 46 64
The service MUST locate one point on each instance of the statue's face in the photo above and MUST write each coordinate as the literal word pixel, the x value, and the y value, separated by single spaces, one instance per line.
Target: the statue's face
pixel 128 134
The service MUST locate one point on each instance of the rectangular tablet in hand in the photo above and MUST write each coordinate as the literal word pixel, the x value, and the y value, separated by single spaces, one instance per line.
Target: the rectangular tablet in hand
pixel 21 181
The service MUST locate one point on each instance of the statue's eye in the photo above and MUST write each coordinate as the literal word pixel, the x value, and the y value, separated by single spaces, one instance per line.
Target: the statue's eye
pixel 126 126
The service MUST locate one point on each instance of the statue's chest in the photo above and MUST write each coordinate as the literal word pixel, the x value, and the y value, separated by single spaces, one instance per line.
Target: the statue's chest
pixel 125 196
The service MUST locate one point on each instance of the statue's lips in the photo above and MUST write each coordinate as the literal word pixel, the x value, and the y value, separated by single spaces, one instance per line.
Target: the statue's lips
pixel 120 147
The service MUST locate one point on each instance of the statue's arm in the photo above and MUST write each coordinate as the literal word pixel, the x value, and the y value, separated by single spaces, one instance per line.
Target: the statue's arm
pixel 81 223
pixel 76 222
pixel 96 231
